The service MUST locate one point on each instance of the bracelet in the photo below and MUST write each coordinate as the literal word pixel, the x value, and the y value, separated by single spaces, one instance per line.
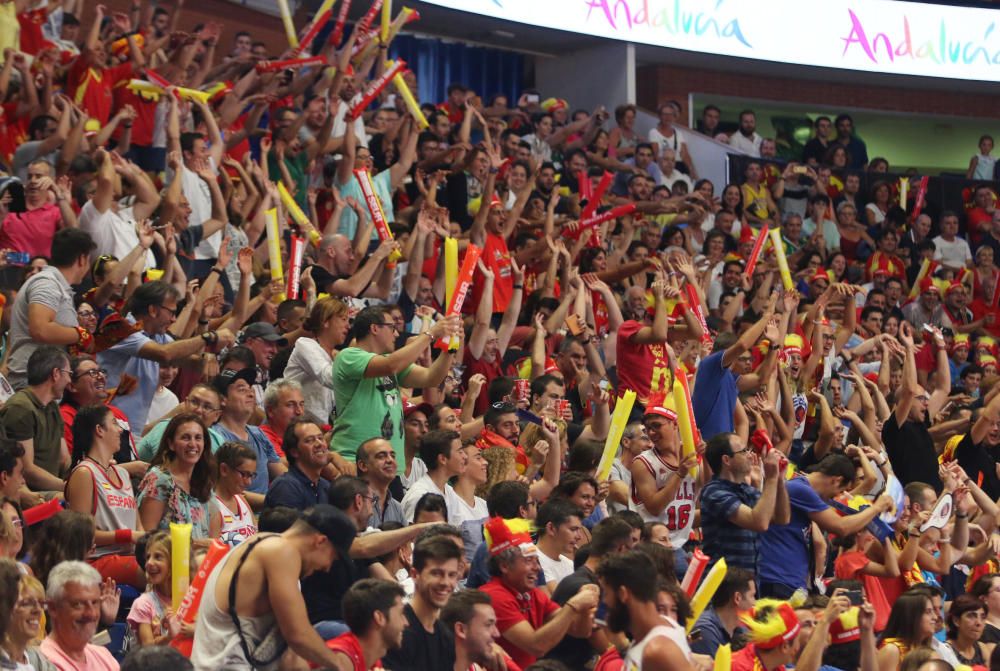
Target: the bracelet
pixel 210 337
pixel 202 321
pixel 572 607
pixel 126 125
pixel 123 536
pixel 960 516
pixel 217 270
pixel 494 171
pixel 518 286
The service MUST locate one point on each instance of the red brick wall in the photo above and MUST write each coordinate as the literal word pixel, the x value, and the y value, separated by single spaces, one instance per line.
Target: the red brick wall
pixel 656 83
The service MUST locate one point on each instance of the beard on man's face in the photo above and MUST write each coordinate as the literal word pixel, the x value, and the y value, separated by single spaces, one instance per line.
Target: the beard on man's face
pixel 617 618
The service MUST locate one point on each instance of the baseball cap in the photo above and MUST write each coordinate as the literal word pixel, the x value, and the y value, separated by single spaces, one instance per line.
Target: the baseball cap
pixel 264 331
pixel 660 411
pixel 227 377
pixel 334 524
pixel 426 408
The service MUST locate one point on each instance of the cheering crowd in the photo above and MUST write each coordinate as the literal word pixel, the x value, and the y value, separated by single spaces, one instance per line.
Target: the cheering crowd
pixel 482 384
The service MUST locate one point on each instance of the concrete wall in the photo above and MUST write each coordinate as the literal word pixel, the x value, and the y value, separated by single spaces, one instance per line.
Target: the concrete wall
pixel 603 75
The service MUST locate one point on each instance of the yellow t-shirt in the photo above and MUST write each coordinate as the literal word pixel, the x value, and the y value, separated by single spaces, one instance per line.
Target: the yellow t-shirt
pixel 10 29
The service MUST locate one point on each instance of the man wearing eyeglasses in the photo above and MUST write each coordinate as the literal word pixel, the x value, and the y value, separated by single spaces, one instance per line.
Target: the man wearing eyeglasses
pixel 88 386
pixel 734 513
pixel 153 307
pixel 203 400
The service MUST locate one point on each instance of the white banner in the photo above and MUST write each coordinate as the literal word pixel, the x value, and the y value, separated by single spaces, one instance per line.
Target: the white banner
pixel 890 36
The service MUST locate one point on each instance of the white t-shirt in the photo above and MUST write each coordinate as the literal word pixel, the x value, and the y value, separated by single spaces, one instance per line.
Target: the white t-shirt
pixel 677 176
pixel 555 569
pixel 418 469
pixel 164 401
pixel 312 367
pixel 113 232
pixel 199 198
pixel 748 145
pixel 675 142
pixel 426 486
pixel 955 254
pixel 469 520
pixel 340 125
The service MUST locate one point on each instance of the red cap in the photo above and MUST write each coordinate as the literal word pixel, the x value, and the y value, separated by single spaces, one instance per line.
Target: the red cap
pixel 410 408
pixel 954 286
pixel 747 234
pixel 659 410
pixel 927 286
pixel 820 274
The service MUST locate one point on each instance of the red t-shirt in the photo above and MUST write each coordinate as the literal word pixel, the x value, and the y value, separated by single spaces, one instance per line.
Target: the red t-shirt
pixel 349 645
pixel 91 87
pixel 490 370
pixel 31 231
pixel 850 566
pixel 145 120
pixel 512 608
pixel 642 368
pixel 13 131
pixel 32 39
pixel 275 439
pixel 746 658
pixel 974 219
pixel 980 309
pixel 68 413
pixel 496 257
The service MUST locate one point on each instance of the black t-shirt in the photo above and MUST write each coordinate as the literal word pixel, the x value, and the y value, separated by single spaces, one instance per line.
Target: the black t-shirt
pixel 979 462
pixel 815 150
pixel 990 634
pixel 422 650
pixel 911 451
pixel 324 590
pixel 575 653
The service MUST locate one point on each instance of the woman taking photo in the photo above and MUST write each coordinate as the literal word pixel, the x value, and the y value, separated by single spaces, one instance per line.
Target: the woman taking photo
pixel 229 516
pixel 99 488
pixel 311 362
pixel 179 483
pixel 911 625
pixel 966 622
pixel 26 629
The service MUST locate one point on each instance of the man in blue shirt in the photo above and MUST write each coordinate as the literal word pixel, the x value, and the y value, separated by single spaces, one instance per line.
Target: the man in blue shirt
pixel 785 549
pixel 857 151
pixel 715 390
pixel 733 513
pixel 303 485
pixel 238 405
pixel 720 622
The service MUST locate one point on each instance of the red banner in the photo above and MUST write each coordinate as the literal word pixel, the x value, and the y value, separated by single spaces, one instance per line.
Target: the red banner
pixel 462 286
pixel 695 303
pixel 366 21
pixel 274 66
pixel 192 599
pixel 598 194
pixel 295 261
pixel 376 86
pixel 314 29
pixel 921 195
pixel 338 28
pixel 594 222
pixel 755 254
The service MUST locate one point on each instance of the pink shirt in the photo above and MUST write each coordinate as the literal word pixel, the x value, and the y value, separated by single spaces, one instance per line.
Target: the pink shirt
pixel 96 657
pixel 31 231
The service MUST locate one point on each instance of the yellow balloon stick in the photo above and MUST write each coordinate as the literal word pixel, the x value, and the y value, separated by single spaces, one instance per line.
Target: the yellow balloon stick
pixel 405 16
pixel 706 591
pixel 619 420
pixel 684 421
pixel 779 253
pixel 180 562
pixel 450 268
pixel 925 267
pixel 386 20
pixel 274 247
pixel 411 102
pixel 140 86
pixel 723 658
pixel 293 208
pixel 286 20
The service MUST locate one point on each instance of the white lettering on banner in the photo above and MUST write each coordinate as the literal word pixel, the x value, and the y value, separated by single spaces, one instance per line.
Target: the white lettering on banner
pixel 890 36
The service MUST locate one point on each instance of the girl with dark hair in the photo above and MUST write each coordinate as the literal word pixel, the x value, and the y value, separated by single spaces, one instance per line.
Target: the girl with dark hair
pixel 100 488
pixel 230 518
pixel 911 625
pixel 179 482
pixel 67 536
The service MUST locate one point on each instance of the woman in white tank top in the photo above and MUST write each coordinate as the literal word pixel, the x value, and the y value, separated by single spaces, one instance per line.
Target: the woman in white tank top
pixel 99 488
pixel 230 518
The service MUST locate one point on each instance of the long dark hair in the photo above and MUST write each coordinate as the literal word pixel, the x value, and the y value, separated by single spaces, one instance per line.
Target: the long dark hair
pixel 203 477
pixel 85 423
pixel 904 618
pixel 68 536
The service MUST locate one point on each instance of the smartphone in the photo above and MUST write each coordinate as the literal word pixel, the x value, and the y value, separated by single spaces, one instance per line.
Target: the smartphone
pixel 800 170
pixel 18 258
pixel 532 98
pixel 855 596
pixel 573 324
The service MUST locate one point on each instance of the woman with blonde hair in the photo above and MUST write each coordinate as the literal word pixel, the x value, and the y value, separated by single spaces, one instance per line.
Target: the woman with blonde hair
pixel 311 362
pixel 27 628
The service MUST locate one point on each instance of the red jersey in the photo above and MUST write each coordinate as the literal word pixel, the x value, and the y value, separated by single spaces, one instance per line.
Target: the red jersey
pixel 349 645
pixel 91 87
pixel 490 370
pixel 980 309
pixel 32 39
pixel 13 131
pixel 275 439
pixel 746 660
pixel 145 120
pixel 850 566
pixel 642 368
pixel 512 608
pixel 496 257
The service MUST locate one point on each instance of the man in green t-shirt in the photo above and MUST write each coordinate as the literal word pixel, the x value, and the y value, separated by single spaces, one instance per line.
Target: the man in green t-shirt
pixel 367 379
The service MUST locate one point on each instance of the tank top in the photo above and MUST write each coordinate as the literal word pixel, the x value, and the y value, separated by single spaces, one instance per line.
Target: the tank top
pixel 216 641
pixel 238 526
pixel 633 657
pixel 984 167
pixel 114 504
pixel 678 516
